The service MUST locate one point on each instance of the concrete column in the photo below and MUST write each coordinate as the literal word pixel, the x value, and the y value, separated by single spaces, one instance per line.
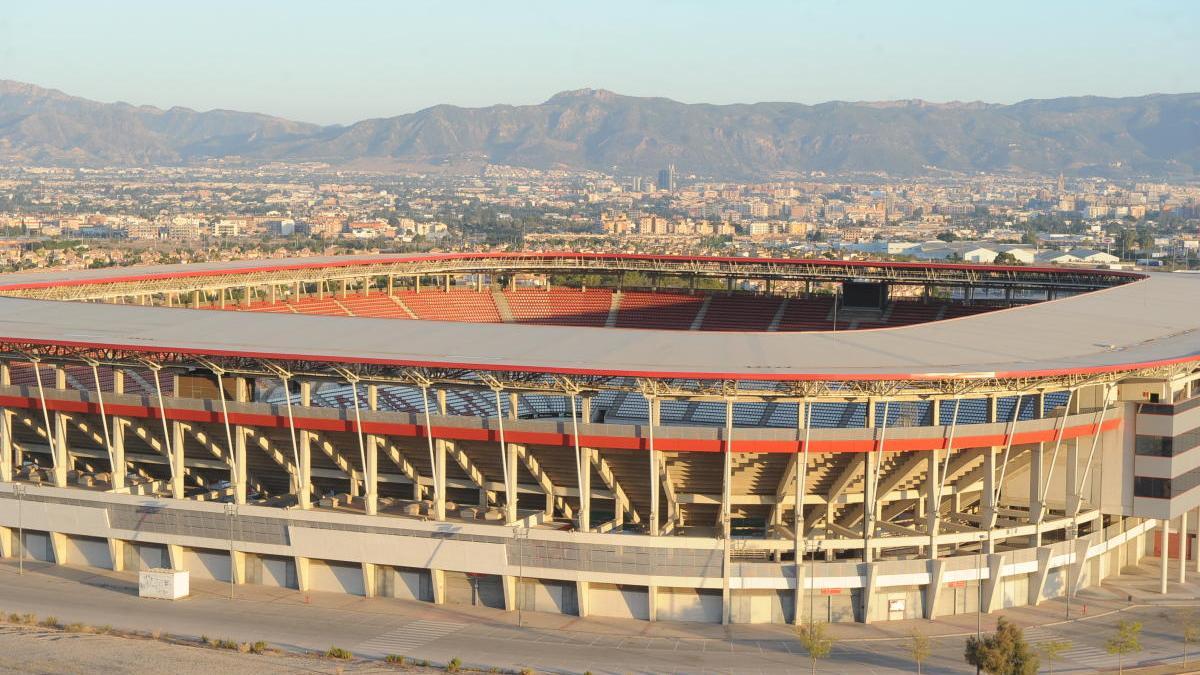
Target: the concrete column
pixel 302 574
pixel 652 602
pixel 437 580
pixel 1196 553
pixel 870 468
pixel 391 284
pixel 62 461
pixel 368 577
pixel 931 502
pixel 6 446
pixel 439 449
pixel 987 504
pixel 992 597
pixel 366 286
pixel 238 567
pixel 304 499
pixel 1164 527
pixel 343 289
pixel 177 460
pixel 1035 490
pixel 58 544
pixel 116 552
pixel 1183 546
pixel 371 499
pixel 118 436
pixel 509 587
pixel 937 571
pixel 582 601
pixel 655 478
pixel 510 505
pixel 239 475
pixel 175 557
pixel 1071 483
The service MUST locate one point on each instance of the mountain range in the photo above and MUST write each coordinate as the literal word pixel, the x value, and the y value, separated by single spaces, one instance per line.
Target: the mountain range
pixel 1155 135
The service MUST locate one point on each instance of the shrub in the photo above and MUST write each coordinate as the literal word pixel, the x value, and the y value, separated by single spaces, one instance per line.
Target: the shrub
pixel 30 619
pixel 49 622
pixel 77 628
pixel 258 647
pixel 14 618
pixel 156 634
pixel 204 640
pixel 339 653
pixel 394 659
pixel 454 666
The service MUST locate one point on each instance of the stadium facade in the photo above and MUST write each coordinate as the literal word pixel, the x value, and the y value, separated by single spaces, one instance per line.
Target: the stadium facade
pixel 671 438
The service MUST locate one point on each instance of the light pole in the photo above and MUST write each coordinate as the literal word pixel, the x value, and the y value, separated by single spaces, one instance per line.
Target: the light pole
pixel 979 600
pixel 231 511
pixel 19 492
pixel 520 534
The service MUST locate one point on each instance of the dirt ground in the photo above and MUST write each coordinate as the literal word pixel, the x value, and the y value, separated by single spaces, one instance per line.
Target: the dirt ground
pixel 51 651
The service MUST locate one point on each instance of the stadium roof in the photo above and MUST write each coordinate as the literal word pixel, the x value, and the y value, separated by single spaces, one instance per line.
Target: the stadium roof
pixel 1148 322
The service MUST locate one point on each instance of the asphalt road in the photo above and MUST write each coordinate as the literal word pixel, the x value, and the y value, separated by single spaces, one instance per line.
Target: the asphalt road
pixel 374 627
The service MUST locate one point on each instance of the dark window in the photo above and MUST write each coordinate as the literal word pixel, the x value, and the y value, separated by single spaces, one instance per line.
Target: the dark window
pixel 1154 446
pixel 1157 488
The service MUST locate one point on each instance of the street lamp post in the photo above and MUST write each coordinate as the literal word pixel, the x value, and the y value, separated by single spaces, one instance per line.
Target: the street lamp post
pixel 979 588
pixel 231 511
pixel 19 492
pixel 520 534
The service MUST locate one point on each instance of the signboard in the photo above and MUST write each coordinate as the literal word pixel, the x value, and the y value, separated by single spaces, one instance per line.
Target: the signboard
pixel 957 584
pixel 896 605
pixel 831 591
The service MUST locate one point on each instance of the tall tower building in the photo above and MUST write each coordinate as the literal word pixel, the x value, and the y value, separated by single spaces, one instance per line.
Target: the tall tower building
pixel 666 178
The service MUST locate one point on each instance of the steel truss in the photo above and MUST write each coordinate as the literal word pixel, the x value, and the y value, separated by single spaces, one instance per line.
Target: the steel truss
pixel 557 385
pixel 298 272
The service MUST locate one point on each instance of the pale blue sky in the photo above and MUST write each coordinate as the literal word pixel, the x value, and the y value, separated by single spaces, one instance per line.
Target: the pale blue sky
pixel 338 62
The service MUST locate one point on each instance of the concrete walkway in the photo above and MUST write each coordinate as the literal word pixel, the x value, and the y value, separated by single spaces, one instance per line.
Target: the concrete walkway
pixel 374 627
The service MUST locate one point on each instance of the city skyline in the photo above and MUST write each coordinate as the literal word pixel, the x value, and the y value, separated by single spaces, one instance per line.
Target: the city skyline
pixel 383 60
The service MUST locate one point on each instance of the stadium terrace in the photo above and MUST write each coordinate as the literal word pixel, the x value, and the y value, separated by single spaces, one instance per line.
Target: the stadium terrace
pixel 658 437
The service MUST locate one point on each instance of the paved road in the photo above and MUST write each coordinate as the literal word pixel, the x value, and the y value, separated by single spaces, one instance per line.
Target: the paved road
pixel 485 638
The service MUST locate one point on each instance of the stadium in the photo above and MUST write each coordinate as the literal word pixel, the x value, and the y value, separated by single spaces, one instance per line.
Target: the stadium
pixel 727 440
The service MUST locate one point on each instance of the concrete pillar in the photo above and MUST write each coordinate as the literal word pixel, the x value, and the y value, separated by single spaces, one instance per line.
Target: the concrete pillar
pixel 931 502
pixel 937 572
pixel 868 591
pixel 119 468
pixel 7 460
pixel 116 552
pixel 62 462
pixel 992 597
pixel 175 557
pixel 1164 527
pixel 303 582
pixel 1035 490
pixel 239 475
pixel 439 449
pixel 1183 547
pixel 582 601
pixel 1071 483
pixel 1196 552
pixel 304 499
pixel 652 602
pixel 238 567
pixel 368 577
pixel 509 584
pixel 343 289
pixel 177 460
pixel 987 505
pixel 510 505
pixel 7 542
pixel 58 544
pixel 655 474
pixel 371 499
pixel 1037 580
pixel 437 579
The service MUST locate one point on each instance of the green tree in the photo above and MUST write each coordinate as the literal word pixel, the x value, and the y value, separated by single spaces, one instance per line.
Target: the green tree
pixel 919 648
pixel 1004 652
pixel 815 639
pixel 1053 651
pixel 1006 258
pixel 1127 640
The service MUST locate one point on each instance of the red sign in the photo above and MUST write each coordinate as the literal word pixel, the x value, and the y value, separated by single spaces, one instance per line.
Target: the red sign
pixel 831 591
pixel 957 584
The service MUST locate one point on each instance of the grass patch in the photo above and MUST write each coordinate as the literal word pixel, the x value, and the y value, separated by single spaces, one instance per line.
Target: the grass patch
pixel 339 653
pixel 454 666
pixel 394 659
pixel 49 622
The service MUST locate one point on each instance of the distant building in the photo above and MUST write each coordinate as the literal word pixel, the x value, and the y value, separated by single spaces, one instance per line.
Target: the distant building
pixel 666 178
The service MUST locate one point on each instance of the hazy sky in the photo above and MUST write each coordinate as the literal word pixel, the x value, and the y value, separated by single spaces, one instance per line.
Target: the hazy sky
pixel 343 61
